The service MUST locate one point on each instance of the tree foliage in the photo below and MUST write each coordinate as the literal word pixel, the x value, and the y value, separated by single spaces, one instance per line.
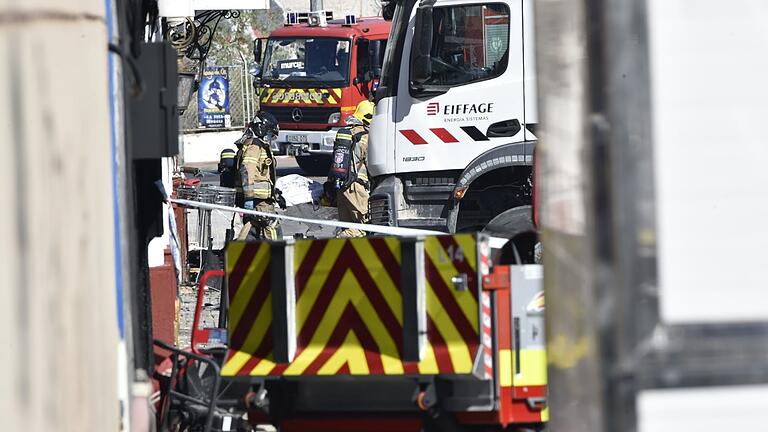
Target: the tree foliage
pixel 233 41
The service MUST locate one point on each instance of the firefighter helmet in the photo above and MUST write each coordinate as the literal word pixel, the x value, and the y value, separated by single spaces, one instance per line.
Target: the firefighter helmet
pixel 364 112
pixel 264 126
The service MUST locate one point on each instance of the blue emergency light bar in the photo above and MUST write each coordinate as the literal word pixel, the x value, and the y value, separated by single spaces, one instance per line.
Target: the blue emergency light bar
pixel 350 20
pixel 310 18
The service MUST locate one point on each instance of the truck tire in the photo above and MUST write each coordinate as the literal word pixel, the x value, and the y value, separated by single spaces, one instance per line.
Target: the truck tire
pixel 516 225
pixel 511 222
pixel 315 165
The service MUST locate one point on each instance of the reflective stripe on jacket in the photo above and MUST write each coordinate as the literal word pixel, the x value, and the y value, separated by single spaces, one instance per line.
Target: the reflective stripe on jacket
pixel 359 135
pixel 256 166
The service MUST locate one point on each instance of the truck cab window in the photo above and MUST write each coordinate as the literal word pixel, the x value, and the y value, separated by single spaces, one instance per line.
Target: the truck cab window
pixel 302 62
pixel 469 43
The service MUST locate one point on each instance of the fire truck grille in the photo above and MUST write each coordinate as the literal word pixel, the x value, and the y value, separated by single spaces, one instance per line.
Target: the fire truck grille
pixel 301 114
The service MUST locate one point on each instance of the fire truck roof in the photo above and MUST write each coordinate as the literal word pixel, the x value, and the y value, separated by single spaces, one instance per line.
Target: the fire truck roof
pixel 370 27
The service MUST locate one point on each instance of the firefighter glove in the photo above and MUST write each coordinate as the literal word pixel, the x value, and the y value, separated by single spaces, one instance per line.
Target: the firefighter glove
pixel 279 199
pixel 328 198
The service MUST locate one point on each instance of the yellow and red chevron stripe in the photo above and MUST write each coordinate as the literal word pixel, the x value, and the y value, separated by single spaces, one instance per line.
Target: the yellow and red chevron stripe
pixel 349 317
pixel 453 324
pixel 301 96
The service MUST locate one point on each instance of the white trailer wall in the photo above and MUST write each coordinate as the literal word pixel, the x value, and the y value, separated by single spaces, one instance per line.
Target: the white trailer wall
pixel 709 69
pixel 58 311
pixel 338 7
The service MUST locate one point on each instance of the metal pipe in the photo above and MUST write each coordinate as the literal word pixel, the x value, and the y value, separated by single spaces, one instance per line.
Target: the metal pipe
pixel 315 5
pixel 245 82
pixel 597 207
pixel 246 88
pixel 243 96
pixel 565 217
pixel 624 201
pixel 196 332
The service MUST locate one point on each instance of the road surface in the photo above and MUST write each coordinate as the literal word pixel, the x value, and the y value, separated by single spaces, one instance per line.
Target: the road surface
pixel 285 165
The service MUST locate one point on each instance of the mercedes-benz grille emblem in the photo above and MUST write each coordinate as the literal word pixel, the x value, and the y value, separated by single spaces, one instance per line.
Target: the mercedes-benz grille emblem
pixel 296 115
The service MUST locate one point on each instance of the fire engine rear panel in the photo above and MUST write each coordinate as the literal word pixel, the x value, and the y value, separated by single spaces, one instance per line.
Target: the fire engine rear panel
pixel 345 307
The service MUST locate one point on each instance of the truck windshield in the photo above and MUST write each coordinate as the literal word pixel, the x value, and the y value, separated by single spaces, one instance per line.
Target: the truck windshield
pixel 307 62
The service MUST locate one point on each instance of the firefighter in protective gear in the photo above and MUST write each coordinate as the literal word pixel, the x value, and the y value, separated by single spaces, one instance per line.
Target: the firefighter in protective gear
pixel 349 170
pixel 255 186
pixel 227 171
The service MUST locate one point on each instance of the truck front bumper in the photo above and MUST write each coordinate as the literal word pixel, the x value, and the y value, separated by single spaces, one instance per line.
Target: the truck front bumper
pixel 394 202
pixel 304 143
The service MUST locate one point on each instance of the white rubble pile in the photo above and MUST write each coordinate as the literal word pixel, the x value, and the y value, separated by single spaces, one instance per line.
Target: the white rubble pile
pixel 298 189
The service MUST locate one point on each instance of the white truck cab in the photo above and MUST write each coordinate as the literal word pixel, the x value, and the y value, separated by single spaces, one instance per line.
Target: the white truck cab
pixel 451 144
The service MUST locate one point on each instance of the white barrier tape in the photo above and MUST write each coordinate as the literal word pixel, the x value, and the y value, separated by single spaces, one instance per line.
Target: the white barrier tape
pixel 400 232
pixel 493 242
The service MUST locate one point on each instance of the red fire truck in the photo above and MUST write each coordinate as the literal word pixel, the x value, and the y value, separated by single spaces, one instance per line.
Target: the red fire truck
pixel 312 74
pixel 377 334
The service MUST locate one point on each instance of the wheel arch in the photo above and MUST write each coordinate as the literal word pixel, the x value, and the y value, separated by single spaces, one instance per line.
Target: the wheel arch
pixel 488 164
pixel 503 156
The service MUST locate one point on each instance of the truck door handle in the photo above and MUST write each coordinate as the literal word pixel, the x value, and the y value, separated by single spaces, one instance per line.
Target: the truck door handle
pixel 516 335
pixel 506 128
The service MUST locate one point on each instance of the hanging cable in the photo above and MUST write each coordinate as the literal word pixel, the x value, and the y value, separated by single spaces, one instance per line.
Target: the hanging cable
pixel 137 86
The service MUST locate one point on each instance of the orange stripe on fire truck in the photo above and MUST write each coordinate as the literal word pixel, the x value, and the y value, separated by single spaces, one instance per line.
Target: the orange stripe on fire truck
pixel 294 96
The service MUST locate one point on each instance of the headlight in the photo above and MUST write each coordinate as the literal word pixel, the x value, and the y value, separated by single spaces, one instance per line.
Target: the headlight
pixel 334 118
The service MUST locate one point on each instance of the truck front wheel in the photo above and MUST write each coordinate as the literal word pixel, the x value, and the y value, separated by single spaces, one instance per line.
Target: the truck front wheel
pixel 516 225
pixel 315 165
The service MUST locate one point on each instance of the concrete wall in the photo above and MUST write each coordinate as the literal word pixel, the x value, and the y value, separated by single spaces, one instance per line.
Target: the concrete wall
pixel 205 147
pixel 57 314
pixel 338 7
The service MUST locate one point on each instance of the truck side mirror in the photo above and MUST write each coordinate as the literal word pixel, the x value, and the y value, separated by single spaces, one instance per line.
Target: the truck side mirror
pixel 388 9
pixel 255 71
pixel 421 62
pixel 374 58
pixel 258 56
pixel 379 94
pixel 257 51
pixel 363 61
